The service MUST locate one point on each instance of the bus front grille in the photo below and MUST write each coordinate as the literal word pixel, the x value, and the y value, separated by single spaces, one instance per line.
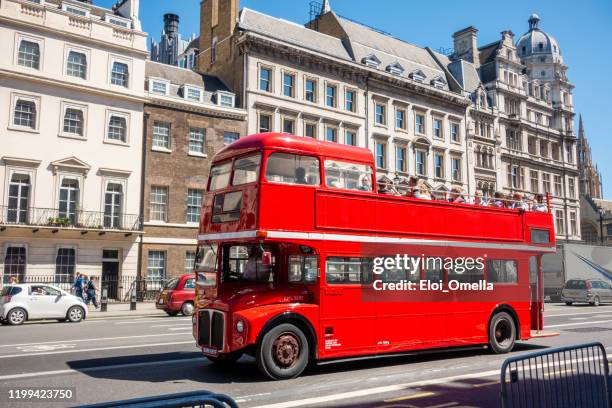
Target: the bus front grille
pixel 211 329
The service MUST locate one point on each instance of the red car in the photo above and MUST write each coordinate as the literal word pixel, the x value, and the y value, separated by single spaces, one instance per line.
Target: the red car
pixel 177 296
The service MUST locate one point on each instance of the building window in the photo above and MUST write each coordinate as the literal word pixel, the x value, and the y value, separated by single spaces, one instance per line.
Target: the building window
pixel 380 114
pixel 544 148
pixel 330 96
pixel 310 90
pixel 381 155
pixel 558 186
pixel 310 130
pixel 158 201
pixel 515 177
pixel 156 265
pixel 400 119
pixel 196 140
pixel 569 153
pixel 456 168
pixel 400 159
pixel 420 162
pixel 535 181
pixel 572 187
pixel 513 140
pixel 438 165
pixel 73 121
pixel 29 54
pixel 14 264
pixel 120 74
pixel 419 123
pixel 437 128
pixel 331 134
pixel 76 65
pixel 117 128
pixel 193 93
pixel 18 199
pixel 226 99
pixel 288 126
pixel 25 114
pixel 350 100
pixel 159 87
pixel 65 265
pixel 455 137
pixel 350 137
pixel 265 79
pixel 194 205
pixel 189 261
pixel 69 200
pixel 560 222
pixel 161 135
pixel 230 137
pixel 546 183
pixel 573 223
pixel 289 85
pixel 265 123
pixel 113 202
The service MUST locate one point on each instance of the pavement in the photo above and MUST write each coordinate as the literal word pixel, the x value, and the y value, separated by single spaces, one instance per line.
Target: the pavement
pixel 117 357
pixel 123 310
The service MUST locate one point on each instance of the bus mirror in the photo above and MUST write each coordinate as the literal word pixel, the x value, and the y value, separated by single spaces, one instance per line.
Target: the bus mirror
pixel 266 258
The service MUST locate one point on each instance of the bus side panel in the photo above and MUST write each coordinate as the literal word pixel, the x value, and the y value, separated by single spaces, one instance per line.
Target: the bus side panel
pixel 287 205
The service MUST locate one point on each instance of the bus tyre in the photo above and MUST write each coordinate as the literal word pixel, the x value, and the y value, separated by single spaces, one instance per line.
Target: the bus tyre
pixel 502 333
pixel 596 302
pixel 283 352
pixel 569 303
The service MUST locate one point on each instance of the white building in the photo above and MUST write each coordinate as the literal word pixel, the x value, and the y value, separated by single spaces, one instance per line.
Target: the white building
pixel 71 85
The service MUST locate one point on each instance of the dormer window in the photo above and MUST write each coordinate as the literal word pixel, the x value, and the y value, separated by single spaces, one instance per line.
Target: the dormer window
pixel 438 82
pixel 417 75
pixel 371 61
pixel 118 21
pixel 226 99
pixel 159 86
pixel 395 69
pixel 79 11
pixel 192 93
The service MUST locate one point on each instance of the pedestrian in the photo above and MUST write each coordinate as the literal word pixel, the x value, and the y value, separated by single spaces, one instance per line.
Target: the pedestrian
pixel 77 286
pixel 84 284
pixel 14 280
pixel 91 290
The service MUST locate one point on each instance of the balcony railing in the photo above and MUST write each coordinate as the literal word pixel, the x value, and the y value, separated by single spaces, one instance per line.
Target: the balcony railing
pixel 53 217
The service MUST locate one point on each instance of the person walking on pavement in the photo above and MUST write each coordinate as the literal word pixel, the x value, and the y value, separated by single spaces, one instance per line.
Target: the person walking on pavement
pixel 91 289
pixel 77 287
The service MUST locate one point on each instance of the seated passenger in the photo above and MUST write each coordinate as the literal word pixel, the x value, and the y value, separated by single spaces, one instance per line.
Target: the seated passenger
pixel 518 203
pixel 422 191
pixel 366 183
pixel 456 196
pixel 412 186
pixel 499 200
pixel 254 269
pixel 539 205
pixel 300 176
pixel 479 200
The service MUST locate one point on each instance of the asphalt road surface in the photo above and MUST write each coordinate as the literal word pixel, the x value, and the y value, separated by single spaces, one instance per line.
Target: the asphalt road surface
pixel 120 358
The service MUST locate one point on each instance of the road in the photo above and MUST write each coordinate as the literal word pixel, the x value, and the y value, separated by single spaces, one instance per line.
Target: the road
pixel 120 358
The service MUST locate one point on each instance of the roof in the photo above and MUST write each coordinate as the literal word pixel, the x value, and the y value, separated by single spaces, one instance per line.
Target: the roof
pixel 297 144
pixel 488 52
pixel 466 74
pixel 290 32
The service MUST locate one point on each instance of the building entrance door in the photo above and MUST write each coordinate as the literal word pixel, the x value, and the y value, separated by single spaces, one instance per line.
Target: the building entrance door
pixel 110 273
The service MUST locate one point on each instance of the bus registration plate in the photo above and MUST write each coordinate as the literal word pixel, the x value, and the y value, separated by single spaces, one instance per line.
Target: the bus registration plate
pixel 210 351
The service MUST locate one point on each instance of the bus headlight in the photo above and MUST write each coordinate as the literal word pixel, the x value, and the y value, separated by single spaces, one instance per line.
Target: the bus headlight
pixel 240 326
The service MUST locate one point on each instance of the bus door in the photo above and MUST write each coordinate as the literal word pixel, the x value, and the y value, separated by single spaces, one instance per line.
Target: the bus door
pixel 347 324
pixel 537 291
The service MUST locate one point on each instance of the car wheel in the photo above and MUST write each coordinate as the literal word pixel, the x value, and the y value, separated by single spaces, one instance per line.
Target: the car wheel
pixel 502 333
pixel 283 352
pixel 172 314
pixel 75 314
pixel 187 309
pixel 16 316
pixel 569 303
pixel 596 302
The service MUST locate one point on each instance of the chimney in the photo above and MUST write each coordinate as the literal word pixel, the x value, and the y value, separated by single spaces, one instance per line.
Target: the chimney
pixel 171 24
pixel 129 9
pixel 466 45
pixel 507 38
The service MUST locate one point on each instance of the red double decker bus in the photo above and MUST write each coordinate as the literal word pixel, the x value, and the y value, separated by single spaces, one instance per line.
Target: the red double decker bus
pixel 299 260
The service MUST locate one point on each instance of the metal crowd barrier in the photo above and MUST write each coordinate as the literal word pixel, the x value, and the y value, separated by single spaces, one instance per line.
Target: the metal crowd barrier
pixel 567 377
pixel 194 399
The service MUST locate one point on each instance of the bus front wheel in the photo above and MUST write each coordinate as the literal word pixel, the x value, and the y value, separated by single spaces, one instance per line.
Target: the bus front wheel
pixel 502 333
pixel 283 352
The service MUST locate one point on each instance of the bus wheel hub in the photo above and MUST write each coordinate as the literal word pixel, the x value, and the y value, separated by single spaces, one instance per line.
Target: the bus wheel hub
pixel 286 349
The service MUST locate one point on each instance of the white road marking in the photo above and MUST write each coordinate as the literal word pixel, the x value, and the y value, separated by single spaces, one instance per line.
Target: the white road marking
pixel 579 318
pixel 97 349
pixel 149 321
pixel 46 347
pixel 165 326
pixel 577 324
pixel 572 314
pixel 94 369
pixel 93 339
pixel 181 328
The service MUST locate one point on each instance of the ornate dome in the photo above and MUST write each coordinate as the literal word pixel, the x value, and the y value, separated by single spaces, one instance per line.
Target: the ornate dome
pixel 537 43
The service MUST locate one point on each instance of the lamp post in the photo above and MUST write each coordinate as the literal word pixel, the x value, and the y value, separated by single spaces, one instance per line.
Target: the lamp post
pixel 601 218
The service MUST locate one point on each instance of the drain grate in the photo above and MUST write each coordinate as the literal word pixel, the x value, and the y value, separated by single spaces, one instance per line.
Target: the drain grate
pixel 588 329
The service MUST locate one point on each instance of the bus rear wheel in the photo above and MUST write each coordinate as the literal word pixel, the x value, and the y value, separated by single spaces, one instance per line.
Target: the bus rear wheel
pixel 502 333
pixel 283 352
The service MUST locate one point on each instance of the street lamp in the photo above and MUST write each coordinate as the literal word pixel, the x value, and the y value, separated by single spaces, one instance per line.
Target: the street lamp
pixel 601 212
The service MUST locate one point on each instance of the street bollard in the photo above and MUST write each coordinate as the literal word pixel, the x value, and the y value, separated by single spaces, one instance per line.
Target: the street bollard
pixel 104 300
pixel 133 301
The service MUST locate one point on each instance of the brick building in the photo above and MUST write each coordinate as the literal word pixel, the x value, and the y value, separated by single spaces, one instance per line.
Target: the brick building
pixel 188 118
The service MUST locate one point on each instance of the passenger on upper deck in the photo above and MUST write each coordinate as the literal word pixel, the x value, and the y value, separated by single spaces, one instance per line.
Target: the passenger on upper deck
pixel 366 183
pixel 479 200
pixel 499 200
pixel 518 203
pixel 456 196
pixel 539 205
pixel 385 186
pixel 422 191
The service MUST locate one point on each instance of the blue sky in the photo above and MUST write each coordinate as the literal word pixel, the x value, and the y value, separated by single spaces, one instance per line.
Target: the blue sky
pixel 582 29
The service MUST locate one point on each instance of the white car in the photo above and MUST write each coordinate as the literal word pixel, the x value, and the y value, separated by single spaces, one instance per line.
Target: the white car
pixel 31 301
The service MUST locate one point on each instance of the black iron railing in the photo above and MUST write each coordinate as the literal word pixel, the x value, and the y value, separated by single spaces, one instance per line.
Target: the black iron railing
pixel 78 219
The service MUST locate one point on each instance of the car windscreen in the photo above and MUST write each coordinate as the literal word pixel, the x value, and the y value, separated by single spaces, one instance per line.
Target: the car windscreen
pixel 575 284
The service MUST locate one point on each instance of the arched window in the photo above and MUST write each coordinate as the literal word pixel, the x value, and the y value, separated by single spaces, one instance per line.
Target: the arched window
pixel 113 200
pixel 18 199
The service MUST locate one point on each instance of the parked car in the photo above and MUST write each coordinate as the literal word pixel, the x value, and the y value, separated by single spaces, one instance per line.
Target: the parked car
pixel 592 291
pixel 32 301
pixel 178 296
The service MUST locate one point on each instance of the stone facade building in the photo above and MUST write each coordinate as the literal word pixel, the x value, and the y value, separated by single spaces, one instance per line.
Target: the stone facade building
pixel 171 45
pixel 590 180
pixel 70 169
pixel 188 118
